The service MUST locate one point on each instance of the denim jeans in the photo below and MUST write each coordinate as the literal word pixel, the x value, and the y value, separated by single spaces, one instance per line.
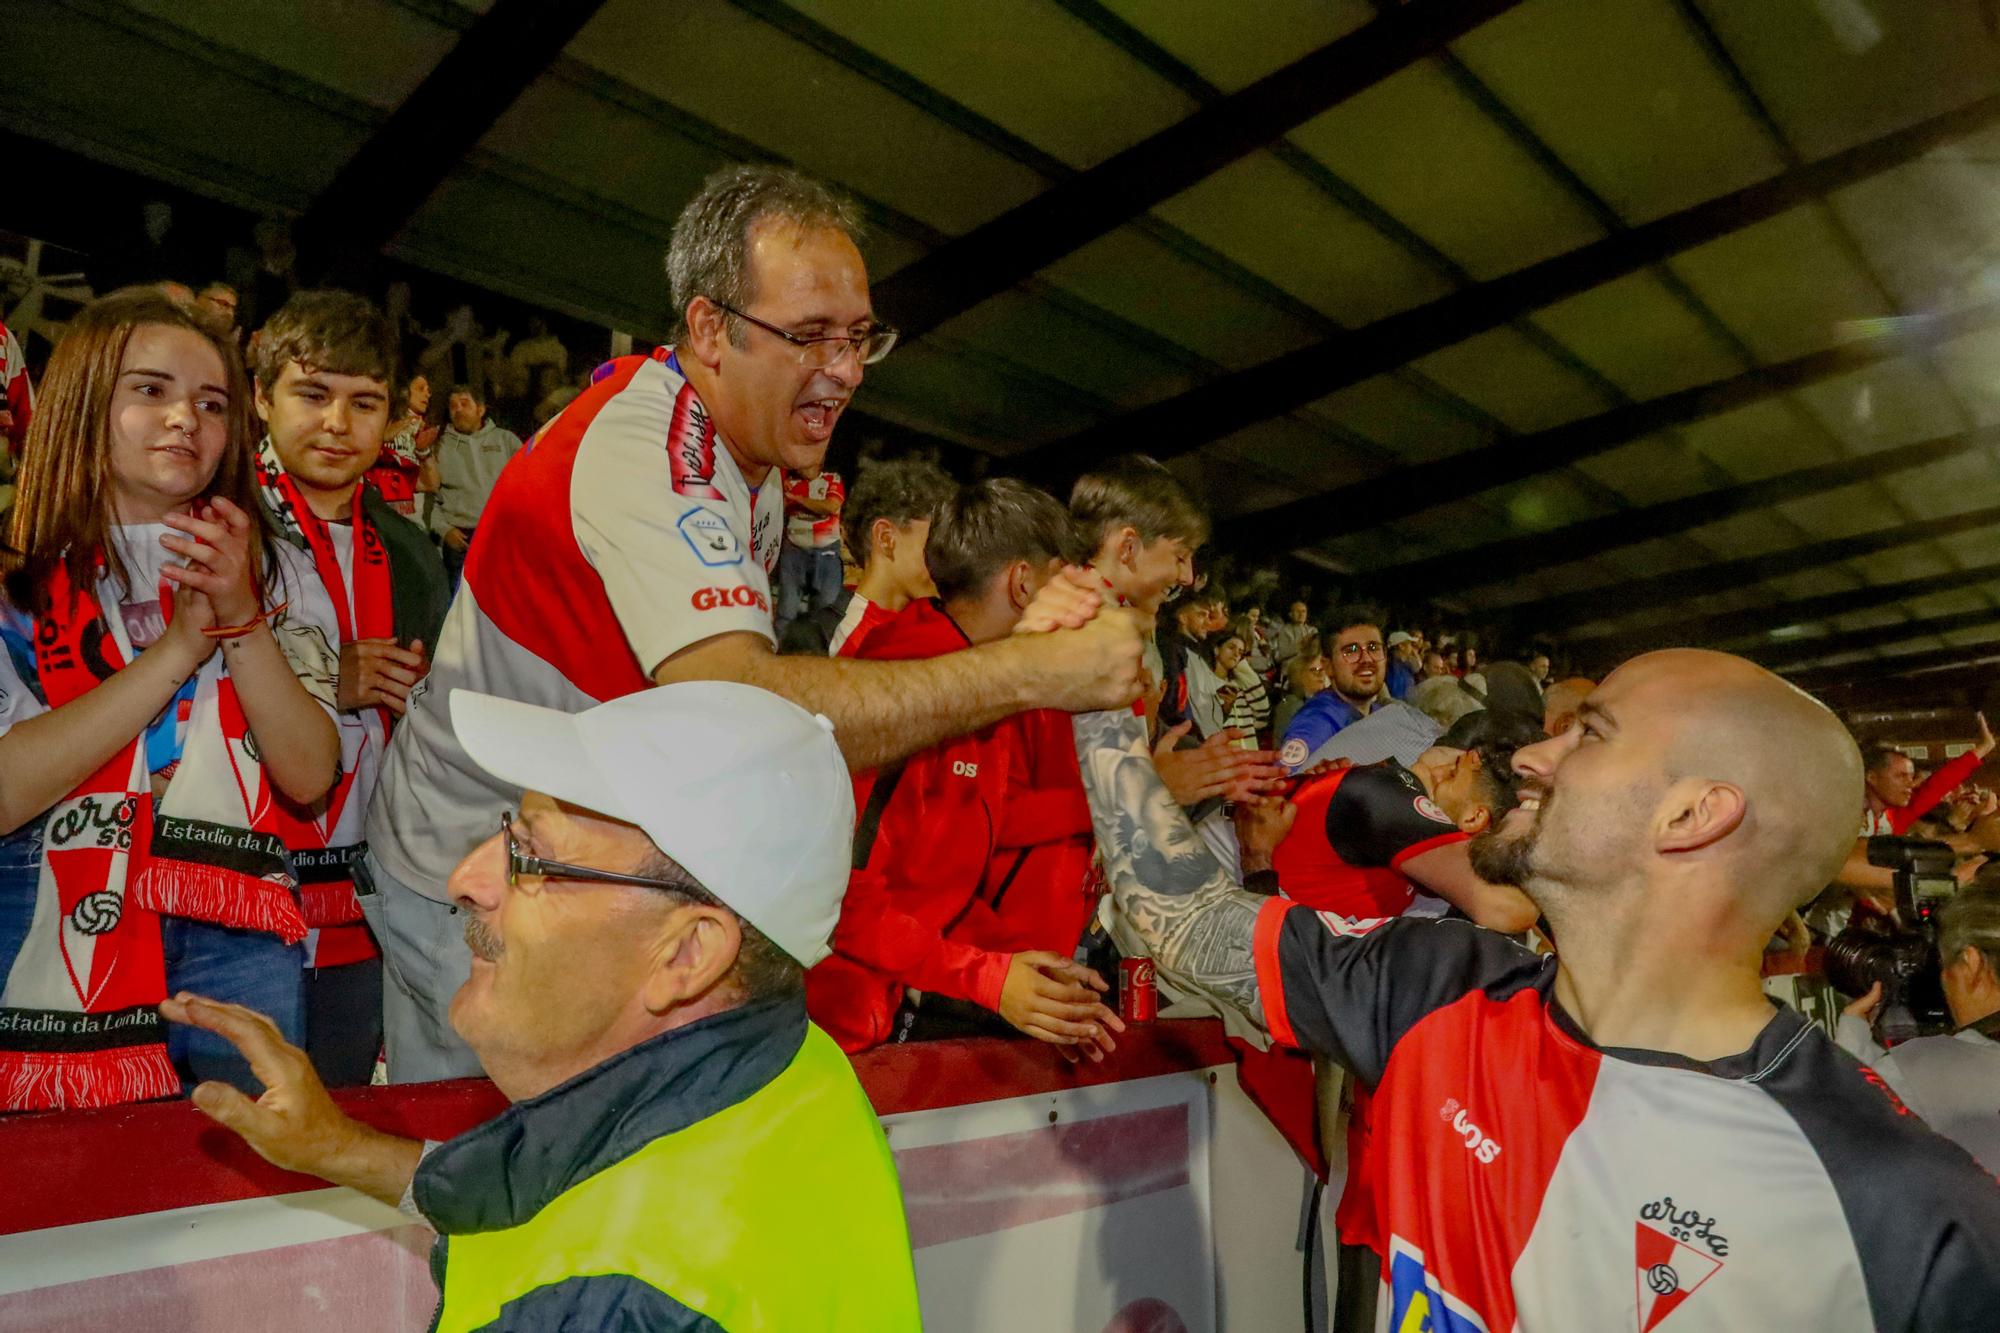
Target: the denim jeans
pixel 20 871
pixel 246 967
pixel 425 959
pixel 808 580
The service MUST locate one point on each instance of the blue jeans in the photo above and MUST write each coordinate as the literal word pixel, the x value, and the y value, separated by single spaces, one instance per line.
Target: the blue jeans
pixel 808 580
pixel 245 967
pixel 20 872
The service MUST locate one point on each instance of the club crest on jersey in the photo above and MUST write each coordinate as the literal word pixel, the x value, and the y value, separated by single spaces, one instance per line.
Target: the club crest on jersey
pixel 1667 1270
pixel 1293 752
pixel 708 534
pixel 1418 1303
pixel 1429 810
pixel 691 447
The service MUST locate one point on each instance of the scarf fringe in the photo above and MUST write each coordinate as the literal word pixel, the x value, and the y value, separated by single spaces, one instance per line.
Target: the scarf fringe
pixel 329 903
pixel 81 1080
pixel 221 897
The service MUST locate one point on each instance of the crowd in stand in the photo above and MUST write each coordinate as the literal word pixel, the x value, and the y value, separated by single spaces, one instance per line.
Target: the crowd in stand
pixel 264 627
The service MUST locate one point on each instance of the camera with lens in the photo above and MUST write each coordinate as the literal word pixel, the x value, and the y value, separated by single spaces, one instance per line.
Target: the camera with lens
pixel 1901 954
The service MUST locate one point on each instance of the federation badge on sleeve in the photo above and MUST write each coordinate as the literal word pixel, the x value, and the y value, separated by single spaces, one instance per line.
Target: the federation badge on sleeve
pixel 708 534
pixel 1293 752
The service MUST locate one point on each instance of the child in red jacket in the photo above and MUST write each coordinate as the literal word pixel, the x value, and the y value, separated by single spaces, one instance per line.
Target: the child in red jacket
pixel 931 907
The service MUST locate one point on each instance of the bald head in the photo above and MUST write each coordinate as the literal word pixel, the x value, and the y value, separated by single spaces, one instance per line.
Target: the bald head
pixel 1560 702
pixel 1799 772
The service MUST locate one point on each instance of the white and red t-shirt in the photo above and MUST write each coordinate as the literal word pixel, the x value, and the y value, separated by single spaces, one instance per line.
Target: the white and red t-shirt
pixel 1527 1178
pixel 861 618
pixel 625 535
pixel 808 530
pixel 16 394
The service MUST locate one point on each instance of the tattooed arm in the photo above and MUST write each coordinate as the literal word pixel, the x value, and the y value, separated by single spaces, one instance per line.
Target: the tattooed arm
pixel 1182 905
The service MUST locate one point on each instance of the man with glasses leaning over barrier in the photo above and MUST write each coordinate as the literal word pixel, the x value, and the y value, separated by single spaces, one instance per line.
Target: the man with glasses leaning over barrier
pixel 680 1134
pixel 634 545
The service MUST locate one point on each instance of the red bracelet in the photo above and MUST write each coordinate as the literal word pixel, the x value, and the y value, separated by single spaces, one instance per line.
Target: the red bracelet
pixel 247 627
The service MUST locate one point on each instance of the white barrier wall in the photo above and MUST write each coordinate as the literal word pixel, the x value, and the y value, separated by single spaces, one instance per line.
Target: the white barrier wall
pixel 1157 1202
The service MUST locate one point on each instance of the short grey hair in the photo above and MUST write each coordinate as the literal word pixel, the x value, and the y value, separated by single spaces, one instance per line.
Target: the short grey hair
pixel 762 970
pixel 709 254
pixel 1971 917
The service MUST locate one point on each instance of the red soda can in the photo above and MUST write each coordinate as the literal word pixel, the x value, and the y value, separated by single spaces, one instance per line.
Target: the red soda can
pixel 1138 997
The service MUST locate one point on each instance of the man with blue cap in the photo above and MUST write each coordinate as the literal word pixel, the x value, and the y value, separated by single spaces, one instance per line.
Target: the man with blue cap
pixel 680 1133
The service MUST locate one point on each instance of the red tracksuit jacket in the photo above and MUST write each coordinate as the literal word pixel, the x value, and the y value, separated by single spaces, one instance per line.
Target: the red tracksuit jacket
pixel 943 896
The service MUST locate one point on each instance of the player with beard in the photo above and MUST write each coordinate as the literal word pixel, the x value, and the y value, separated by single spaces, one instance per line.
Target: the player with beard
pixel 1599 1141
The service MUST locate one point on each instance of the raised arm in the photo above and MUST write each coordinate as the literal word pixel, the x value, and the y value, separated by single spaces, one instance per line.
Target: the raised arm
pixel 1447 871
pixel 885 711
pixel 1174 899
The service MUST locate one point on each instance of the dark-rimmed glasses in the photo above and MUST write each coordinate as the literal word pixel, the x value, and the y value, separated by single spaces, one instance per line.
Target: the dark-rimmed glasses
pixel 820 352
pixel 519 864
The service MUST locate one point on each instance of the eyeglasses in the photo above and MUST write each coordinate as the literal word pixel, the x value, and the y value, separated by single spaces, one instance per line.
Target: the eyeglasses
pixel 1351 650
pixel 519 865
pixel 819 353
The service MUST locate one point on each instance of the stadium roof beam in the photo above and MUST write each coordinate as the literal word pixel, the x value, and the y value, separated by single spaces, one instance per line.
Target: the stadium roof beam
pixel 1730 625
pixel 1412 489
pixel 1478 566
pixel 1657 590
pixel 1070 214
pixel 1914 669
pixel 1886 683
pixel 1288 382
pixel 1797 651
pixel 390 176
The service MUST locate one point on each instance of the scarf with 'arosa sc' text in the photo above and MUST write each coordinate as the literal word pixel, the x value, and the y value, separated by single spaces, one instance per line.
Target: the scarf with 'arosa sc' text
pixel 79 1020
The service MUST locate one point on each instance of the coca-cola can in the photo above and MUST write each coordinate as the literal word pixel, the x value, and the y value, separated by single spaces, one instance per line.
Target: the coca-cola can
pixel 1138 997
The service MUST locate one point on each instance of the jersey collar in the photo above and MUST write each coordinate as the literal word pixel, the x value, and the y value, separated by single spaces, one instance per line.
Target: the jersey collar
pixel 1773 1046
pixel 502 1173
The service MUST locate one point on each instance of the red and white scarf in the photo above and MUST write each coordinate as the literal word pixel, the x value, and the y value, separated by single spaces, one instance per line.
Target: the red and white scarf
pixel 79 1024
pixel 326 838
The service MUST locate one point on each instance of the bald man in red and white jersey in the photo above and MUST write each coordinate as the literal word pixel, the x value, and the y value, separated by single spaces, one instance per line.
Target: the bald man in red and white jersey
pixel 1632 1136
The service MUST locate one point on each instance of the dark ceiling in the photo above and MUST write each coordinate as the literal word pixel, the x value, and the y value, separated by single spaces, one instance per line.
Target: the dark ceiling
pixel 1636 320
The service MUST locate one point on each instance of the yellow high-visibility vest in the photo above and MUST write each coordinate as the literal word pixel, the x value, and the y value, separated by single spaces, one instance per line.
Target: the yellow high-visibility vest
pixel 779 1214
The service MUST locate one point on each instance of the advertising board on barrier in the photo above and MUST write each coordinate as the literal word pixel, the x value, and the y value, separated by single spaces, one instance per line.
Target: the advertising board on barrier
pixel 1106 1205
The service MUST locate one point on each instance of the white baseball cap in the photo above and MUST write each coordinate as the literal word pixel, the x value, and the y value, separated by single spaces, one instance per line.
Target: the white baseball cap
pixel 1401 637
pixel 744 789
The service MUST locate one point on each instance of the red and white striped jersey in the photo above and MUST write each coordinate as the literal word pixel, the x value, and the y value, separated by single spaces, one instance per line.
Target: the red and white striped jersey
pixel 861 618
pixel 17 395
pixel 626 534
pixel 1527 1178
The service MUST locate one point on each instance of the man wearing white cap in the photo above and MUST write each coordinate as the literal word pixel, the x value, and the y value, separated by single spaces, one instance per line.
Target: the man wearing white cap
pixel 680 1132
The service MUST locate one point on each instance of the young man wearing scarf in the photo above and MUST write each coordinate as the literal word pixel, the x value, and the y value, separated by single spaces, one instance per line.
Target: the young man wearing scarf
pixel 325 370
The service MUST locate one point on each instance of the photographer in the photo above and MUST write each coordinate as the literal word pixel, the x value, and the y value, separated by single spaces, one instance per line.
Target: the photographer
pixel 1952 1081
pixel 1894 802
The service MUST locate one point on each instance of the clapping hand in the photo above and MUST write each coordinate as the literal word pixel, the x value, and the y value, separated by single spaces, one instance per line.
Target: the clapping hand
pixel 215 543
